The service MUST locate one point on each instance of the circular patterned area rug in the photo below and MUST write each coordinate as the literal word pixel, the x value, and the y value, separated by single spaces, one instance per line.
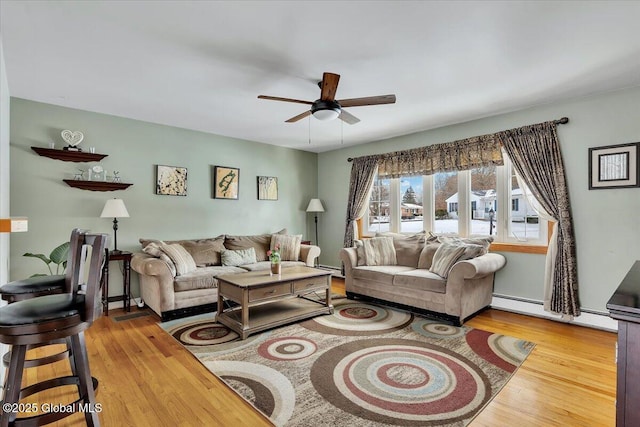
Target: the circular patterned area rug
pixel 364 365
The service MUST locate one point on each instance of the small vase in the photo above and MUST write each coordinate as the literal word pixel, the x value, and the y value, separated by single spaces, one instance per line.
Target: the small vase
pixel 276 268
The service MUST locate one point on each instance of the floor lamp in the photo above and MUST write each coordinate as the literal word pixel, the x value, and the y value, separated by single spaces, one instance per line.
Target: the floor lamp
pixel 315 206
pixel 114 208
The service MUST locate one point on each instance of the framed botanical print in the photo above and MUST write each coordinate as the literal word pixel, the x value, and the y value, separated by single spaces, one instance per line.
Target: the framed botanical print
pixel 267 188
pixel 614 166
pixel 226 182
pixel 171 180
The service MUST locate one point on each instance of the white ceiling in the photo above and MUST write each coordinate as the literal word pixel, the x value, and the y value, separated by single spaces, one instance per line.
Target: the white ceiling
pixel 201 64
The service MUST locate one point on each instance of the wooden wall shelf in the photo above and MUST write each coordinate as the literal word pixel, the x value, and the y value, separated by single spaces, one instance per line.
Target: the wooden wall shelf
pixel 96 185
pixel 69 156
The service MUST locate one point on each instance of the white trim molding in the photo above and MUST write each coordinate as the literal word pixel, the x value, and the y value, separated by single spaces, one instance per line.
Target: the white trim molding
pixel 589 319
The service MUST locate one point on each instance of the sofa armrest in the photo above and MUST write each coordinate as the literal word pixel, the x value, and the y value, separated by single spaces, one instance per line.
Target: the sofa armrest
pixel 349 258
pixel 151 266
pixel 308 254
pixel 478 267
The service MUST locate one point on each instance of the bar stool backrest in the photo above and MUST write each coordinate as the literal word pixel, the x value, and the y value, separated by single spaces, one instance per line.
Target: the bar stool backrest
pixel 87 257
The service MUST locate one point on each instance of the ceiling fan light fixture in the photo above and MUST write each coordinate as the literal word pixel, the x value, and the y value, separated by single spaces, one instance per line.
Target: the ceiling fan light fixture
pixel 325 110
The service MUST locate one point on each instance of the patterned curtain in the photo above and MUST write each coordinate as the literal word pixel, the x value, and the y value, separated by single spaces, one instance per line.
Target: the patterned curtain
pixel 464 154
pixel 535 153
pixel 363 171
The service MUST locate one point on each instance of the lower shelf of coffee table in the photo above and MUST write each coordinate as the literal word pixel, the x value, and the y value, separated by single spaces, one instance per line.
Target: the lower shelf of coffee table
pixel 272 314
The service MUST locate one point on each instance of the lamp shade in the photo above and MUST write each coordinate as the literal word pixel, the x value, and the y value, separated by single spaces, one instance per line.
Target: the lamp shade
pixel 315 205
pixel 114 208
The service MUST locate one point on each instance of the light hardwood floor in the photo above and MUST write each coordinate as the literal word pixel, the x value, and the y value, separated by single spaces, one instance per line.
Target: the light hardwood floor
pixel 148 379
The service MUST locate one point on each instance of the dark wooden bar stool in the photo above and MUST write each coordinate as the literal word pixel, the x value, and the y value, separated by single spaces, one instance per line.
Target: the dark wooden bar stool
pixel 44 319
pixel 32 287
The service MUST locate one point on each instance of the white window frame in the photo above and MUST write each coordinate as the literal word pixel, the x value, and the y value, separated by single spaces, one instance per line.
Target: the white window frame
pixel 502 233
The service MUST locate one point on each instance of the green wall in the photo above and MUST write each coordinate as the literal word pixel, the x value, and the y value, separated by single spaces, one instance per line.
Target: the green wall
pixel 134 148
pixel 607 222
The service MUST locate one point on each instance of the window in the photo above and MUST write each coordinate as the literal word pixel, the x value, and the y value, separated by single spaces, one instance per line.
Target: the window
pixel 524 224
pixel 444 188
pixel 436 203
pixel 411 215
pixel 483 196
pixel 379 206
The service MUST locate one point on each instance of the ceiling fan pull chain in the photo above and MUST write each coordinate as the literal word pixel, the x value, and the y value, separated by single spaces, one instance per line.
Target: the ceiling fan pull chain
pixel 309 130
pixel 341 132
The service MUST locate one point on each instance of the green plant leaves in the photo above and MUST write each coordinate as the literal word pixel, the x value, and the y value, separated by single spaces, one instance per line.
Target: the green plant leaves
pixel 58 256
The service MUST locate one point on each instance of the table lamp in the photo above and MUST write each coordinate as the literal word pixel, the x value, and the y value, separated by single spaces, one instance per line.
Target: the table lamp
pixel 114 208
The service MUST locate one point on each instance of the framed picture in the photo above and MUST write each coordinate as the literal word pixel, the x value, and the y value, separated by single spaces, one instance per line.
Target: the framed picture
pixel 226 182
pixel 171 180
pixel 614 166
pixel 267 188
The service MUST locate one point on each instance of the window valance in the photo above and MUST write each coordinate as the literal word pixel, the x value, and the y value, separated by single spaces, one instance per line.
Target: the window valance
pixel 464 154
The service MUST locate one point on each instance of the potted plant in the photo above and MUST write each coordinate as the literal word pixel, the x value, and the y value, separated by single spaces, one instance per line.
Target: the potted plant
pixel 58 257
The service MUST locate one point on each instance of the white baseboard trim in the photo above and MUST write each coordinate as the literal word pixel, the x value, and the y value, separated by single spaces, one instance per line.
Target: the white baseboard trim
pixel 534 308
pixel 335 271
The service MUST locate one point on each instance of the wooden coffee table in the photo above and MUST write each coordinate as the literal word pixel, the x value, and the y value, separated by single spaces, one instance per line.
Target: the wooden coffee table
pixel 265 301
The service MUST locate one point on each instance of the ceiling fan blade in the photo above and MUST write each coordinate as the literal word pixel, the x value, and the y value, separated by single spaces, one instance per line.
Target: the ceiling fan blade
pixel 370 100
pixel 348 117
pixel 298 117
pixel 329 86
pixel 277 98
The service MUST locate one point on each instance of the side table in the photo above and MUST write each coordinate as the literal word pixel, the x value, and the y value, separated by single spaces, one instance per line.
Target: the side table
pixel 125 257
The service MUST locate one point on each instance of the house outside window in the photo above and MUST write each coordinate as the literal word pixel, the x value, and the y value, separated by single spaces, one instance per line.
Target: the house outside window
pixel 442 197
pixel 379 206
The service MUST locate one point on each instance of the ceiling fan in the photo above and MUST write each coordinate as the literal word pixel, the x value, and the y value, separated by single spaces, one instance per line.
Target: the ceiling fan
pixel 328 107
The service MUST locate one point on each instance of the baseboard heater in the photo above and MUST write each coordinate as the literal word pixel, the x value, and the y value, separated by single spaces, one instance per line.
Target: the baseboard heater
pixel 588 318
pixel 335 271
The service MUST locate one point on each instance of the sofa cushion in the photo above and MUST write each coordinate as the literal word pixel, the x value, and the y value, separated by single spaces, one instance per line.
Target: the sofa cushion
pixel 289 246
pixel 420 279
pixel 482 241
pixel 408 246
pixel 379 273
pixel 379 251
pixel 202 278
pixel 261 243
pixel 154 250
pixel 238 257
pixel 446 255
pixel 360 258
pixel 205 252
pixel 181 258
pixel 427 253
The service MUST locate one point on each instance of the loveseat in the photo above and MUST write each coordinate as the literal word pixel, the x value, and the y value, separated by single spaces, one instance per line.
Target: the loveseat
pixel 178 278
pixel 449 277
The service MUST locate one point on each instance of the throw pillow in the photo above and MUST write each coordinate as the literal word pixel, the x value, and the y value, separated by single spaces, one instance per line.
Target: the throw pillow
pixel 426 256
pixel 238 257
pixel 181 258
pixel 289 246
pixel 482 241
pixel 260 243
pixel 472 251
pixel 379 251
pixel 153 249
pixel 205 252
pixel 361 260
pixel 408 246
pixel 445 257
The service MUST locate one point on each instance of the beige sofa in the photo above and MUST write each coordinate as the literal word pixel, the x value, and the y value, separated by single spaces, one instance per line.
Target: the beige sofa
pixel 176 285
pixel 465 289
